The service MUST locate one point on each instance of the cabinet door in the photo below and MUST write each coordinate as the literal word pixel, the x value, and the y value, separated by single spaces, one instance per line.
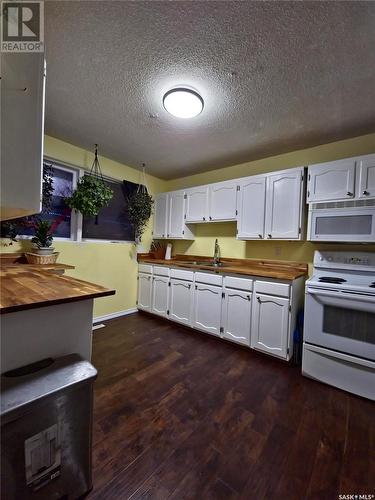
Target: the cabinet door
pixel 207 308
pixel 22 133
pixel 160 294
pixel 366 168
pixel 270 324
pixel 331 181
pixel 160 216
pixel 222 201
pixel 144 291
pixel 197 204
pixel 176 221
pixel 180 301
pixel 251 208
pixel 284 206
pixel 236 316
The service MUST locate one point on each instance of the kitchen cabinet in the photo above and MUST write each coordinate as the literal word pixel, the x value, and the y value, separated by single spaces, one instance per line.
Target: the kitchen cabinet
pixel 236 316
pixel 207 308
pixel 22 105
pixel 197 204
pixel 331 181
pixel 169 217
pixel 223 201
pixel 181 301
pixel 366 177
pixel 270 324
pixel 144 291
pixel 160 215
pixel 284 205
pixel 251 208
pixel 160 295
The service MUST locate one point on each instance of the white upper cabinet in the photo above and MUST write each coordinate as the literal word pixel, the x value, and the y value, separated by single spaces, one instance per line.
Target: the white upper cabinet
pixel 22 124
pixel 181 301
pixel 207 308
pixel 251 208
pixel 331 181
pixel 197 204
pixel 366 176
pixel 237 316
pixel 160 294
pixel 223 201
pixel 284 205
pixel 160 216
pixel 169 216
pixel 270 325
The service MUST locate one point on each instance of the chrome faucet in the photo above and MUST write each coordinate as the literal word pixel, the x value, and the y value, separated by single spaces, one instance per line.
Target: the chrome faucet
pixel 216 253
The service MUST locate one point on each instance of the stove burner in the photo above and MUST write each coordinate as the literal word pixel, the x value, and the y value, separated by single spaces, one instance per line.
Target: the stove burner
pixel 331 279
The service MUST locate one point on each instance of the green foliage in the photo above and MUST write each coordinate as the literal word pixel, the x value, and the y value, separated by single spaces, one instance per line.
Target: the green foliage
pixel 43 236
pixel 90 196
pixel 140 206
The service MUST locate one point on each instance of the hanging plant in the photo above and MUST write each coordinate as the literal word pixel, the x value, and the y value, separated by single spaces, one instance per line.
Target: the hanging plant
pixel 91 193
pixel 140 205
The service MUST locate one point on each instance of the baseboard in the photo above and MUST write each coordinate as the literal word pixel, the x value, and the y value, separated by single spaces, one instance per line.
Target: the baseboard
pixel 117 314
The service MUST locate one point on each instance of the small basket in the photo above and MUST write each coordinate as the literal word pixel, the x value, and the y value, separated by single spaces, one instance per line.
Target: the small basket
pixel 35 258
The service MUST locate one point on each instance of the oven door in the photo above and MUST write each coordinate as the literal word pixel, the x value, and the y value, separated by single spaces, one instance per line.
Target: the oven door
pixel 342 224
pixel 339 320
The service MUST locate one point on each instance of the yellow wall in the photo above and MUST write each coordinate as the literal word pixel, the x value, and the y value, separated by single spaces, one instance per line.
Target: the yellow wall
pixel 113 264
pixel 110 264
pixel 284 250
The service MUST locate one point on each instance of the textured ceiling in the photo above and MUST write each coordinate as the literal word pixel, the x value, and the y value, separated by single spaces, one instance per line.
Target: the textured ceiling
pixel 275 77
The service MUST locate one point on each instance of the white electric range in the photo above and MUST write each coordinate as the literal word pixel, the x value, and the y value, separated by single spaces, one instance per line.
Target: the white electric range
pixel 339 328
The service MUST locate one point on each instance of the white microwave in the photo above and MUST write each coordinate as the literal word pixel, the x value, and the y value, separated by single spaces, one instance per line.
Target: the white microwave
pixel 355 224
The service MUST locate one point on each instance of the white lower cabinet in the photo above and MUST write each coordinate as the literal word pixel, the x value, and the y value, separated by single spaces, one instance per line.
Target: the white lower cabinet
pixel 236 316
pixel 270 325
pixel 256 313
pixel 144 291
pixel 160 294
pixel 181 301
pixel 207 308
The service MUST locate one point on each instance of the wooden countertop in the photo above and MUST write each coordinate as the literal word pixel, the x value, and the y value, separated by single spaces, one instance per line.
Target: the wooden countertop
pixel 27 286
pixel 276 269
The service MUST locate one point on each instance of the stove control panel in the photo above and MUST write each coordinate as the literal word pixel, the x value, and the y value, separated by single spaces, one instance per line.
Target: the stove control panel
pixel 348 259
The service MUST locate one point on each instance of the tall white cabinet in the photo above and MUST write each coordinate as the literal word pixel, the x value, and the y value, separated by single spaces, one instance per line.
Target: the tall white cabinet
pixel 207 308
pixel 170 217
pixel 181 301
pixel 251 208
pixel 22 129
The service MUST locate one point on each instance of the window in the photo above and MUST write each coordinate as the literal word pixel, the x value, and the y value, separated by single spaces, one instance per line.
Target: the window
pixel 112 223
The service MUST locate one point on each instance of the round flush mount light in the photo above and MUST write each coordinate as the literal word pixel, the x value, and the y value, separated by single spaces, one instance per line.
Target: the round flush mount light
pixel 183 102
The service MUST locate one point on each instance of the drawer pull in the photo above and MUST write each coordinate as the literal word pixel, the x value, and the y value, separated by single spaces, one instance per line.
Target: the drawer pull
pixel 260 235
pixel 270 235
pixel 366 193
pixel 349 193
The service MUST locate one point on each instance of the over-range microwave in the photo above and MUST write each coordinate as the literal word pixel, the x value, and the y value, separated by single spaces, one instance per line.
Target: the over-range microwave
pixel 350 222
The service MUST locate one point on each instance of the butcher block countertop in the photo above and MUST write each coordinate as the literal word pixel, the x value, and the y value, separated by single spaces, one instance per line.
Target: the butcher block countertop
pixel 276 269
pixel 25 286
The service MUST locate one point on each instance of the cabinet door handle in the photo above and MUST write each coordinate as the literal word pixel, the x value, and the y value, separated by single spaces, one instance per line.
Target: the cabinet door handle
pixel 167 235
pixel 162 235
pixel 189 286
pixel 248 297
pixel 349 193
pixel 204 218
pixel 210 217
pixel 196 287
pixel 149 278
pixel 269 235
pixel 260 235
pixel 366 193
pixel 258 299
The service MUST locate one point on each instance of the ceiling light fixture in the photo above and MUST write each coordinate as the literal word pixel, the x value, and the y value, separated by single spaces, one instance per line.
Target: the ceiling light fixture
pixel 183 102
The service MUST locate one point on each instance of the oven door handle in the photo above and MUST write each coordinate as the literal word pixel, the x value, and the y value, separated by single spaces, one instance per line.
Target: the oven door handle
pixel 342 295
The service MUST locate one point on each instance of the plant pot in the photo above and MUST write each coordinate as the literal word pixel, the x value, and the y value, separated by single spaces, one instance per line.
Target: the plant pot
pixel 44 250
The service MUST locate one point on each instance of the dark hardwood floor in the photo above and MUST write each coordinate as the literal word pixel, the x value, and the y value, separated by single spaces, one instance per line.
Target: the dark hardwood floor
pixel 179 414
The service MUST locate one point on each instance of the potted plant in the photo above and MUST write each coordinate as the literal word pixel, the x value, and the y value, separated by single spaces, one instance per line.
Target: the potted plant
pixel 140 205
pixel 42 239
pixel 90 196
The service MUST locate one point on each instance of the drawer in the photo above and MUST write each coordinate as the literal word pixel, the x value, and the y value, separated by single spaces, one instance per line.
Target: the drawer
pixel 161 271
pixel 238 283
pixel 145 268
pixel 182 274
pixel 210 279
pixel 271 288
